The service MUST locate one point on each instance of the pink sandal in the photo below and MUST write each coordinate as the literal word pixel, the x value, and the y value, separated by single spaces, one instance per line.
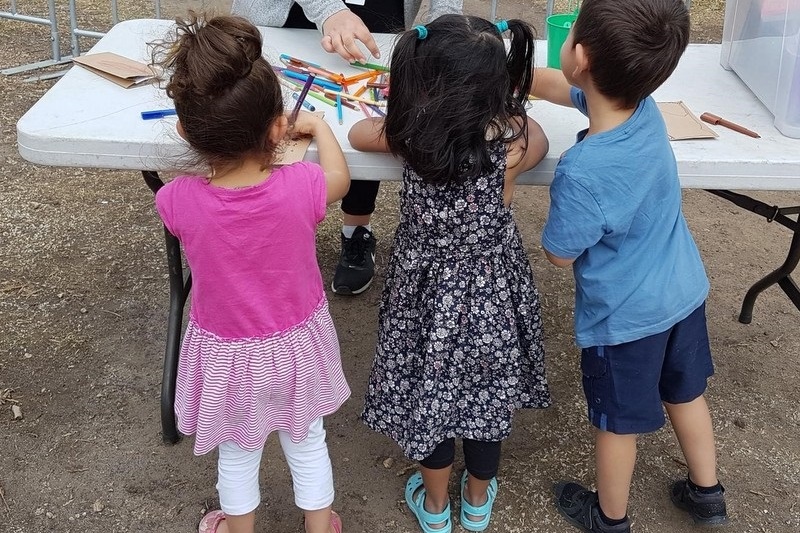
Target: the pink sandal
pixel 336 522
pixel 210 522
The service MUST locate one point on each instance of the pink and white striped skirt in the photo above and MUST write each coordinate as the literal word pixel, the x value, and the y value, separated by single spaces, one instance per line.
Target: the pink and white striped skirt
pixel 241 390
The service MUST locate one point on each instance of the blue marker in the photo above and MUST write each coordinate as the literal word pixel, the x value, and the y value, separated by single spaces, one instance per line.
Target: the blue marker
pixel 302 77
pixel 157 113
pixel 306 103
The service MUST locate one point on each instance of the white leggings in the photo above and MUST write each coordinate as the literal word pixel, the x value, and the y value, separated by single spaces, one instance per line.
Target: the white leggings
pixel 308 461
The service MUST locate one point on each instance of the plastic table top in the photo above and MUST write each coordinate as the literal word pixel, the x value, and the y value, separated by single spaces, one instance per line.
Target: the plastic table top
pixel 86 121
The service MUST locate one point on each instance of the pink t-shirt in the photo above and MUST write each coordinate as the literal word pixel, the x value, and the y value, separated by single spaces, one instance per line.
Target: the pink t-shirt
pixel 251 251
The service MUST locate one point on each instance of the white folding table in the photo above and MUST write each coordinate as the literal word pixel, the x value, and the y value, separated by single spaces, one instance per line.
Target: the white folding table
pixel 86 121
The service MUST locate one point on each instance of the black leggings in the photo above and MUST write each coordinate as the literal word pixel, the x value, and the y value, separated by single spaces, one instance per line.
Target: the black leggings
pixel 482 458
pixel 380 16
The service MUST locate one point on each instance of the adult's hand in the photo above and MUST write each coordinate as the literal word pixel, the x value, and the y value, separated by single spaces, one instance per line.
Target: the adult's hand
pixel 340 33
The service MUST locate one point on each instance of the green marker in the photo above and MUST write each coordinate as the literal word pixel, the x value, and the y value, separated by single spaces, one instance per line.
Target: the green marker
pixel 373 66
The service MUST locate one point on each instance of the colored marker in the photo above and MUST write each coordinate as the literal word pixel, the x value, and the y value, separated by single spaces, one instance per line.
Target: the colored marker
pixel 303 77
pixel 305 103
pixel 358 77
pixel 345 103
pixel 301 98
pixel 372 66
pixel 312 67
pixel 322 98
pixel 339 108
pixel 157 113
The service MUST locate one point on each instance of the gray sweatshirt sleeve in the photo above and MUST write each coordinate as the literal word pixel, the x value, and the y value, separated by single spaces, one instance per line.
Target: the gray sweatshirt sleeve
pixel 318 11
pixel 444 7
pixel 274 12
pixel 436 9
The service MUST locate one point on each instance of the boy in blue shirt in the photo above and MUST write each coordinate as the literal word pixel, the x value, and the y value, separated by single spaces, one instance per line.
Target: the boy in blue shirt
pixel 615 216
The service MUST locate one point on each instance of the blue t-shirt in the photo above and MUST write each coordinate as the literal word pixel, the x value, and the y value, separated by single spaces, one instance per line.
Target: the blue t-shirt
pixel 615 207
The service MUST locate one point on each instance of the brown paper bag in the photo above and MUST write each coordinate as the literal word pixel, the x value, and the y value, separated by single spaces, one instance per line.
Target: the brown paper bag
pixel 121 70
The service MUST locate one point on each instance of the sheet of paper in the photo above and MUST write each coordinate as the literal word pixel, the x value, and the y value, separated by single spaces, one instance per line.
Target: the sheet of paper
pixel 682 123
pixel 121 70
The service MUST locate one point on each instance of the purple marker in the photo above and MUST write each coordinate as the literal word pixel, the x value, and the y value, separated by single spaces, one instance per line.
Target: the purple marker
pixel 301 98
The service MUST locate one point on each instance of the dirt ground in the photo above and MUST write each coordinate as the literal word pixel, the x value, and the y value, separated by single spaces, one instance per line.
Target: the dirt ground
pixel 83 302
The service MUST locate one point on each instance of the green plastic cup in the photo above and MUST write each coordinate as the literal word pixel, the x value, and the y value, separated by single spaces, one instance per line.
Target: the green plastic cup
pixel 557 31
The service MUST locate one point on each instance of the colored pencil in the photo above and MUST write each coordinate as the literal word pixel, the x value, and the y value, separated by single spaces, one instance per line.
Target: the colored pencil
pixel 361 90
pixel 289 84
pixel 356 98
pixel 362 105
pixel 378 110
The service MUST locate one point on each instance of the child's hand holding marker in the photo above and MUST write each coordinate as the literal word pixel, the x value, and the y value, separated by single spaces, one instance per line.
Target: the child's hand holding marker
pixel 306 124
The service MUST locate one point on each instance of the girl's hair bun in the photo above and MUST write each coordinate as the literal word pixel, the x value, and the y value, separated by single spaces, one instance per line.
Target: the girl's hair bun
pixel 209 57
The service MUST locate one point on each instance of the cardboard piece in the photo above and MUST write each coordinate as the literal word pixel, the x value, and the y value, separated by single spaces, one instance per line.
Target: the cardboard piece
pixel 121 70
pixel 682 123
pixel 294 150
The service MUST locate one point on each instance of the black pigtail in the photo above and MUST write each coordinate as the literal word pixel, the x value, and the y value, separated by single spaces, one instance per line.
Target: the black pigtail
pixel 520 58
pixel 406 94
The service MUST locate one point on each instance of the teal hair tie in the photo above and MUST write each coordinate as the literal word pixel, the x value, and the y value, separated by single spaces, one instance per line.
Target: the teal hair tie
pixel 422 31
pixel 501 25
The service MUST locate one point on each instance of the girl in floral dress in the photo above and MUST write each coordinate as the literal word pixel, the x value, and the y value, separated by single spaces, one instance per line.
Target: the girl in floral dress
pixel 260 354
pixel 460 333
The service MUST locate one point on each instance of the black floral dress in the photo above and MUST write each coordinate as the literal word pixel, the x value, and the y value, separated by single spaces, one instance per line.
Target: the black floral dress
pixel 460 333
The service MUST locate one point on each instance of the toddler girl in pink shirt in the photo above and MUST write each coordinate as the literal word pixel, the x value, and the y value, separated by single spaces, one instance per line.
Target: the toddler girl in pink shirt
pixel 260 353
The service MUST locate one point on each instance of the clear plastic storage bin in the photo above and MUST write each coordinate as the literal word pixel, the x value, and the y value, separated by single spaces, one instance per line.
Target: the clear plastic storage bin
pixel 761 44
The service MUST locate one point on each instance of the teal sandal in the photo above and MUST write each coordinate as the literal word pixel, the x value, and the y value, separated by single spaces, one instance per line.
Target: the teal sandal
pixel 484 510
pixel 417 506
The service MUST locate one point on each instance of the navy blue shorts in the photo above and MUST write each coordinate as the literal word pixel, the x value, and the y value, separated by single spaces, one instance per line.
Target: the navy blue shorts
pixel 625 384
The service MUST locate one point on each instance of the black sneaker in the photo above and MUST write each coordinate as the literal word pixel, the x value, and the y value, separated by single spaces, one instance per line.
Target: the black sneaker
pixel 356 266
pixel 581 508
pixel 705 509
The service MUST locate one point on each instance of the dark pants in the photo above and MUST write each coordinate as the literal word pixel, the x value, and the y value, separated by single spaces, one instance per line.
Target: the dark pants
pixel 482 458
pixel 380 16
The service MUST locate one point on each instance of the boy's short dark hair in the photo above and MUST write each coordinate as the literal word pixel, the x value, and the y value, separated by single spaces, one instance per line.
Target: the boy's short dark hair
pixel 633 45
